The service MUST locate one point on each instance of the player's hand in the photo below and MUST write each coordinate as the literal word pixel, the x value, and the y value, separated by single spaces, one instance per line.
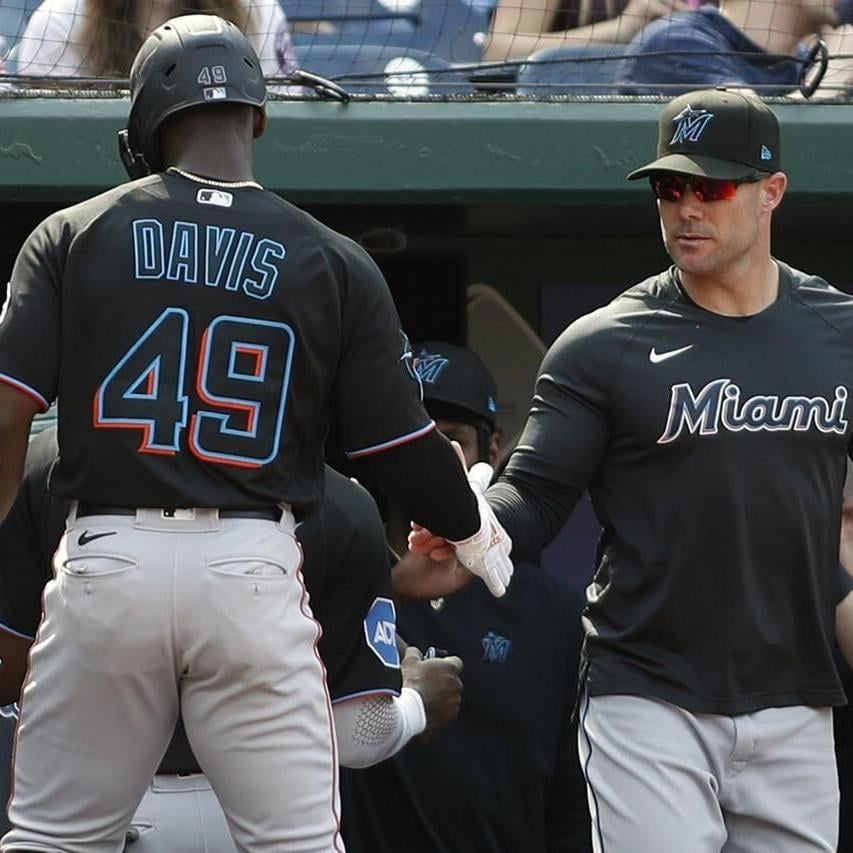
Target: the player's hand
pixel 486 553
pixel 417 576
pixel 426 543
pixel 439 683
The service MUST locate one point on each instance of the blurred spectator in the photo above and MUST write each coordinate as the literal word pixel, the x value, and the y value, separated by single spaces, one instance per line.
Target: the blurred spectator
pixel 521 27
pixel 738 44
pixel 505 776
pixel 99 38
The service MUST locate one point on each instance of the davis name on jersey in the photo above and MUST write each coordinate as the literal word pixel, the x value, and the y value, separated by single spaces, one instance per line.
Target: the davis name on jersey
pixel 211 254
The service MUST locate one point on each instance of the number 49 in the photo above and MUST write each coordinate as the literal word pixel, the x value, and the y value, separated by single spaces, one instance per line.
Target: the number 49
pixel 212 74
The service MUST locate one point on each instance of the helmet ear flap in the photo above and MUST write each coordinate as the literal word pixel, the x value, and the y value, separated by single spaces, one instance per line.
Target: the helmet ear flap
pixel 133 162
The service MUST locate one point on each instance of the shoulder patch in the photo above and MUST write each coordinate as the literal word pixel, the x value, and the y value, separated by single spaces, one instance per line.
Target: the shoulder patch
pixel 380 631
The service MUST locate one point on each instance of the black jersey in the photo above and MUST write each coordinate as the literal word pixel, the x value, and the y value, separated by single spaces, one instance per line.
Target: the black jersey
pixel 504 777
pixel 714 451
pixel 201 340
pixel 345 568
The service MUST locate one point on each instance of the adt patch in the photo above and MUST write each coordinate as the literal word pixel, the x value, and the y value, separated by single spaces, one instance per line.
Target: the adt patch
pixel 380 631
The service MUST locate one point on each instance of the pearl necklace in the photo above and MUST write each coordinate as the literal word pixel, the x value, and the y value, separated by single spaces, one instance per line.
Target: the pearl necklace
pixel 226 184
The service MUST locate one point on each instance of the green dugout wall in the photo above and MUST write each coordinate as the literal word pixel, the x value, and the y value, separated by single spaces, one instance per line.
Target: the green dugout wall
pixel 520 195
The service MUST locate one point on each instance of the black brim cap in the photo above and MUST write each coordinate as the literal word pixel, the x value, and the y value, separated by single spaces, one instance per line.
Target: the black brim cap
pixel 716 133
pixel 455 376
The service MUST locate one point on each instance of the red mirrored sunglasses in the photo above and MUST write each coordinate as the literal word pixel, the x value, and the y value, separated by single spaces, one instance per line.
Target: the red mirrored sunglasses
pixel 670 186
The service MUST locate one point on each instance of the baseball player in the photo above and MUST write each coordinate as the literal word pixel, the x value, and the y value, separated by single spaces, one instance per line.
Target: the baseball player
pixel 201 334
pixel 707 409
pixel 460 791
pixel 346 574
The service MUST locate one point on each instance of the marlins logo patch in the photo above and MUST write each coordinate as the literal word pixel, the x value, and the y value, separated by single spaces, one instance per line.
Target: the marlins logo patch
pixel 380 631
pixel 408 361
pixel 690 124
pixel 496 648
pixel 429 366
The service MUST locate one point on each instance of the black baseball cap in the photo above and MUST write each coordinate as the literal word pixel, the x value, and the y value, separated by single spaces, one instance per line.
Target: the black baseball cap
pixel 716 133
pixel 456 376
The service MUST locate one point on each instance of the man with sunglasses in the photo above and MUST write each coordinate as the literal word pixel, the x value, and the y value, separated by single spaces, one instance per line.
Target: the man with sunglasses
pixel 707 411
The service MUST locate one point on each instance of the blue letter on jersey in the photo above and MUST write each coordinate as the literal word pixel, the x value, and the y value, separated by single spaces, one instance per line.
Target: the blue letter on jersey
pixel 148 250
pixel 380 631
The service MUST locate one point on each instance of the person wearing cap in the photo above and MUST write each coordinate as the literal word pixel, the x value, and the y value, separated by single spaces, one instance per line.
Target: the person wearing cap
pixel 707 411
pixel 758 44
pixel 462 789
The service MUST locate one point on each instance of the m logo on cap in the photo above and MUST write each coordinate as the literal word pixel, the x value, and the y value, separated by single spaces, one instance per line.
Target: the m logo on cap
pixel 690 124
pixel 430 366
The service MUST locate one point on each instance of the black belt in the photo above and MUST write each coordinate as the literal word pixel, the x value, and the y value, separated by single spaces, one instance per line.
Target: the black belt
pixel 268 514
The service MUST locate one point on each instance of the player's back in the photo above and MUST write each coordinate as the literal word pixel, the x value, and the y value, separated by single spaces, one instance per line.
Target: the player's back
pixel 202 326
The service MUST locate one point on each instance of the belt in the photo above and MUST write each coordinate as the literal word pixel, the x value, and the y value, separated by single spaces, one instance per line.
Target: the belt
pixel 267 514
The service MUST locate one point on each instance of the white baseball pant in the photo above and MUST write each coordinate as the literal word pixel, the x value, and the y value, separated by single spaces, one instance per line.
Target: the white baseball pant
pixel 147 610
pixel 663 780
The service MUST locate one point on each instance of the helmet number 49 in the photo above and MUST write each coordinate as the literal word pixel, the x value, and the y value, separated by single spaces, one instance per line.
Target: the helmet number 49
pixel 212 74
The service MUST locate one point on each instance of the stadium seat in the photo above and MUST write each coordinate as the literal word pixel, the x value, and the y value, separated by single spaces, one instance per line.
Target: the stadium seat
pixel 351 10
pixel 382 69
pixel 588 70
pixel 453 29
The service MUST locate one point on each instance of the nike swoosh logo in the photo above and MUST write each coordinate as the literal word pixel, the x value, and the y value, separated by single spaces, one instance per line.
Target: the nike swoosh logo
pixel 85 537
pixel 657 357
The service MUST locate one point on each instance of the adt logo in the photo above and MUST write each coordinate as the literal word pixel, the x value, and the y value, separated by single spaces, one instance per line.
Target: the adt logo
pixel 690 124
pixel 496 648
pixel 380 631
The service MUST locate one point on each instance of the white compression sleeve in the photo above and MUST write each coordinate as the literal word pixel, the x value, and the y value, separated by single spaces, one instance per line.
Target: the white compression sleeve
pixel 373 728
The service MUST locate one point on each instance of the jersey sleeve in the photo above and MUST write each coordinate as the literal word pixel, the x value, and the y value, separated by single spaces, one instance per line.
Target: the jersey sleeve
pixel 568 428
pixel 30 323
pixel 354 607
pixel 377 393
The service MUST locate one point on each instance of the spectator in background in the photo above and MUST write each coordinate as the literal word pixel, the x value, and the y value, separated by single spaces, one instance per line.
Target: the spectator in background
pixel 99 38
pixel 739 44
pixel 505 776
pixel 521 27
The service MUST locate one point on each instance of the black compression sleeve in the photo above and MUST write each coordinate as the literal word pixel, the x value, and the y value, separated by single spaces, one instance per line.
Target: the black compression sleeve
pixel 532 510
pixel 424 479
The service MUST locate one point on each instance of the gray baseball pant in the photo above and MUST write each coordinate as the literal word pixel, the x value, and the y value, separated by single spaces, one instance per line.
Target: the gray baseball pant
pixel 206 611
pixel 180 814
pixel 663 780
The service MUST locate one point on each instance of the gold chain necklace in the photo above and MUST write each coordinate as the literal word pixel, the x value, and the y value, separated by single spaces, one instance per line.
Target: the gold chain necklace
pixel 226 184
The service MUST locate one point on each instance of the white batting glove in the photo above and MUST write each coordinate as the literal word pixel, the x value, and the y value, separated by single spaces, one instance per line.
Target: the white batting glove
pixel 486 553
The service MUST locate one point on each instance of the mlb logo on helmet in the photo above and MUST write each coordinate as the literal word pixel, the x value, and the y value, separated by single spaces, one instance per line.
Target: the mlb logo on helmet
pixel 380 631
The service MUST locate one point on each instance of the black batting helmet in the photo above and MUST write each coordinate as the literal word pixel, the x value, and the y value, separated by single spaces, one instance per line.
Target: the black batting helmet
pixel 188 61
